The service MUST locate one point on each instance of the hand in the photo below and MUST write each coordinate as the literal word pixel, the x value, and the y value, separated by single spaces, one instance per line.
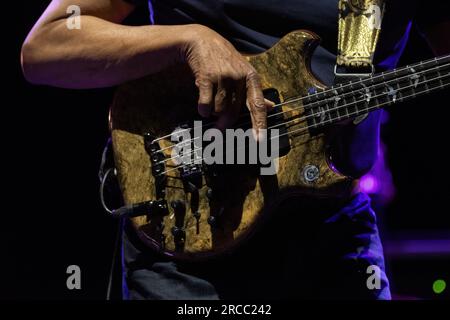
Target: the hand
pixel 225 79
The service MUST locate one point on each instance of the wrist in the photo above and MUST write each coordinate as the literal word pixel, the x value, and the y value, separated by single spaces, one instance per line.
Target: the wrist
pixel 188 37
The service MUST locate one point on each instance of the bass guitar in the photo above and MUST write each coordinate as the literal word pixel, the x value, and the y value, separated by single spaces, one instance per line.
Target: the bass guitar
pixel 193 210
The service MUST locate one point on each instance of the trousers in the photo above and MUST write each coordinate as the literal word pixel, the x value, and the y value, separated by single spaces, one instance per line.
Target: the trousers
pixel 309 250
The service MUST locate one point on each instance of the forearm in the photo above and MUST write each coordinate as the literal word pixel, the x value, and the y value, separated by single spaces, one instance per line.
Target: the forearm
pixel 100 54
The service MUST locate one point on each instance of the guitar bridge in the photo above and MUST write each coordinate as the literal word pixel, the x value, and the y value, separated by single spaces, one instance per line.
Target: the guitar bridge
pixel 158 166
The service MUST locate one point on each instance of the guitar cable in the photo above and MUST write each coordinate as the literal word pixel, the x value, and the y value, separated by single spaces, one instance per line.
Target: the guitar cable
pixel 103 176
pixel 132 210
pixel 117 243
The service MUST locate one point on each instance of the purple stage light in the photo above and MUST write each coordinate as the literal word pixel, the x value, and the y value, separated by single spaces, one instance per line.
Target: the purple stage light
pixel 378 182
pixel 368 184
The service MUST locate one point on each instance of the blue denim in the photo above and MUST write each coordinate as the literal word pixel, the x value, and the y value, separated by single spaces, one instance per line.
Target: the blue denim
pixel 304 253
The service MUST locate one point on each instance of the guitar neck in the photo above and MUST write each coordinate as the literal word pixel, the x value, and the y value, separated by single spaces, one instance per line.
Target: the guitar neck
pixel 357 98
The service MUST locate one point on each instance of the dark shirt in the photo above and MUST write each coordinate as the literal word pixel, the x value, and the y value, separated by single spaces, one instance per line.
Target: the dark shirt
pixel 256 25
pixel 318 254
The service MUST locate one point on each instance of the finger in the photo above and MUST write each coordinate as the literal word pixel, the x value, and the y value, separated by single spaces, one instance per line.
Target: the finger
pixel 231 114
pixel 223 95
pixel 269 104
pixel 205 100
pixel 256 102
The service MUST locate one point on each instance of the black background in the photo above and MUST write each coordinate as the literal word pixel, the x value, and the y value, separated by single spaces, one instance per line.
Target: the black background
pixel 52 143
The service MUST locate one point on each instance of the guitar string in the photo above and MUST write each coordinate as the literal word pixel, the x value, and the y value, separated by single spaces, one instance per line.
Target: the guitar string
pixel 337 107
pixel 331 89
pixel 304 106
pixel 297 121
pixel 350 83
pixel 311 104
pixel 301 119
pixel 306 128
pixel 319 102
pixel 357 113
pixel 300 130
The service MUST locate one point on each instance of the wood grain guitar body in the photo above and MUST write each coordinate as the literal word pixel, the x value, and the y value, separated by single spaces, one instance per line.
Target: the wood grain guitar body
pixel 228 205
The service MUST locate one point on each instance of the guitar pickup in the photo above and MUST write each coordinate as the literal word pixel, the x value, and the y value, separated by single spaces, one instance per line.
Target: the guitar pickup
pixel 192 176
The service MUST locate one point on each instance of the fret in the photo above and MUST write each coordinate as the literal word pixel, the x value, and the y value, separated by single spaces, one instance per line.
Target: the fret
pixel 351 101
pixel 384 90
pixel 420 66
pixel 389 93
pixel 322 108
pixel 342 110
pixel 398 87
pixel 435 74
pixel 315 110
pixel 424 74
pixel 354 98
pixel 412 81
pixel 329 111
pixel 445 73
pixel 309 111
pixel 375 95
pixel 313 119
pixel 364 94
pixel 438 71
pixel 427 90
pixel 334 101
pixel 330 105
pixel 350 105
pixel 371 95
pixel 339 107
pixel 434 79
pixel 404 91
pixel 352 95
pixel 413 78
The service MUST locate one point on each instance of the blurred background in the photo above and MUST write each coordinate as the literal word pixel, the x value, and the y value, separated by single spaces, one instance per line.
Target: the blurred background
pixel 52 218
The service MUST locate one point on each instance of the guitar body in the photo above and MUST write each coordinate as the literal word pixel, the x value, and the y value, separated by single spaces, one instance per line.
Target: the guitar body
pixel 236 195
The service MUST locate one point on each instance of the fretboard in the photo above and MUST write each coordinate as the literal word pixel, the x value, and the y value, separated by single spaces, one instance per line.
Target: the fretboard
pixel 356 98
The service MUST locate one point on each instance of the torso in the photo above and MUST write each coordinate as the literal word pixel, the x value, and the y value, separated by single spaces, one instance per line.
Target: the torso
pixel 255 25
